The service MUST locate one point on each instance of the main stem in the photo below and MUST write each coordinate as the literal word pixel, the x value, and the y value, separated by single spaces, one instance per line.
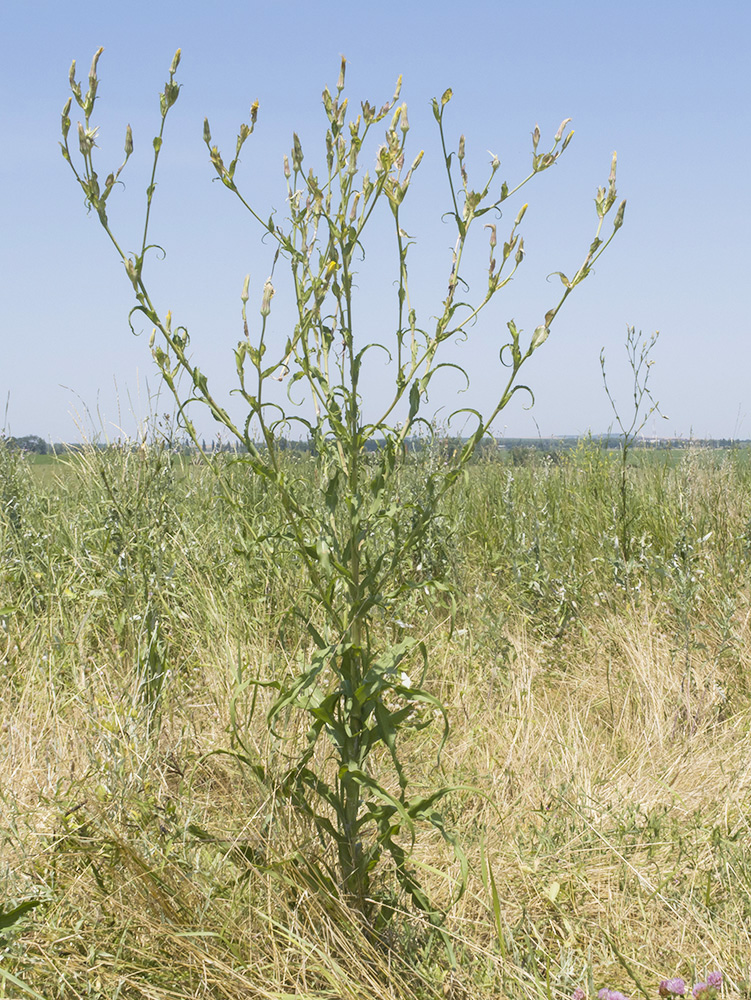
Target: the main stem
pixel 354 875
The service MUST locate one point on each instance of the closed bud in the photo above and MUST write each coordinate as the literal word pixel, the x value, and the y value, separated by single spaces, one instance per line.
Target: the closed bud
pixel 493 237
pixel 567 140
pixel 618 221
pixel 152 338
pixel 246 289
pixel 128 140
pixel 519 256
pixel 206 132
pixel 536 136
pixel 353 210
pixel 340 81
pixel 405 120
pixel 461 147
pixel 92 71
pixel 520 216
pixel 297 154
pixel 447 95
pixel 66 118
pixel 287 171
pixel 268 294
pixel 600 201
pixel 253 113
pixel 175 63
pixel 559 133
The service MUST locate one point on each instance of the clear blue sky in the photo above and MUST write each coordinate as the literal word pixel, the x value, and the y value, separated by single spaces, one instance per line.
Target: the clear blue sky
pixel 666 84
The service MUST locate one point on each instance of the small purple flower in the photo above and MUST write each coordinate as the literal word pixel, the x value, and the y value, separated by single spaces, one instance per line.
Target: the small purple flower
pixel 673 987
pixel 700 991
pixel 606 994
pixel 714 979
pixel 578 994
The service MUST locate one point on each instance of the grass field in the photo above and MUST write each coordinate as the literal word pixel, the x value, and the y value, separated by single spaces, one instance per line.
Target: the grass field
pixel 595 659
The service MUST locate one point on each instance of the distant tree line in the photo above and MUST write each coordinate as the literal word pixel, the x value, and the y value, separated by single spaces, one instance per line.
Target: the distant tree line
pixel 29 443
pixel 442 442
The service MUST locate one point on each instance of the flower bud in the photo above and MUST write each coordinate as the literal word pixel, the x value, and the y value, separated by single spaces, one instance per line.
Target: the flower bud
pixel 246 288
pixel 618 221
pixel 447 95
pixel 340 81
pixel 559 133
pixel 268 294
pixel 128 141
pixel 536 137
pixel 175 62
pixel 206 132
pixel 297 154
pixel 66 118
pixel 92 71
pixel 287 171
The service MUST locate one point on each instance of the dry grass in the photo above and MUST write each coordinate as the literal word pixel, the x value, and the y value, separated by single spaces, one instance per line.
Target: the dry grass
pixel 603 788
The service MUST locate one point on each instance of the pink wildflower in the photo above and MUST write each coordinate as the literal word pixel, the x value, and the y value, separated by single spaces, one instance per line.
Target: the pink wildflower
pixel 672 987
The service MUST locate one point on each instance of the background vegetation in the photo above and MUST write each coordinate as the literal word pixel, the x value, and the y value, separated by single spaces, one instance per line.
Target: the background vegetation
pixel 601 704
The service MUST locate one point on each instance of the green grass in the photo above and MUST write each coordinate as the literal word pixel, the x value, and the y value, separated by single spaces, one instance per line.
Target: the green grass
pixel 600 706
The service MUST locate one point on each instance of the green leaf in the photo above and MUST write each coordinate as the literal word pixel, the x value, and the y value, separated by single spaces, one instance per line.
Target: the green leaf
pixel 539 337
pixel 9 977
pixel 10 917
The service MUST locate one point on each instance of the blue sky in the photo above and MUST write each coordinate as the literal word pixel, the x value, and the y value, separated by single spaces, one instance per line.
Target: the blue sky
pixel 665 84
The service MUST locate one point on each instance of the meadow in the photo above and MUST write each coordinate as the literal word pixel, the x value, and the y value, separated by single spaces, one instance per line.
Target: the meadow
pixel 594 660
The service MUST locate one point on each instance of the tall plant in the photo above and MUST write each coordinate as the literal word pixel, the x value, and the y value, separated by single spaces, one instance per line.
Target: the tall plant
pixel 638 351
pixel 355 542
